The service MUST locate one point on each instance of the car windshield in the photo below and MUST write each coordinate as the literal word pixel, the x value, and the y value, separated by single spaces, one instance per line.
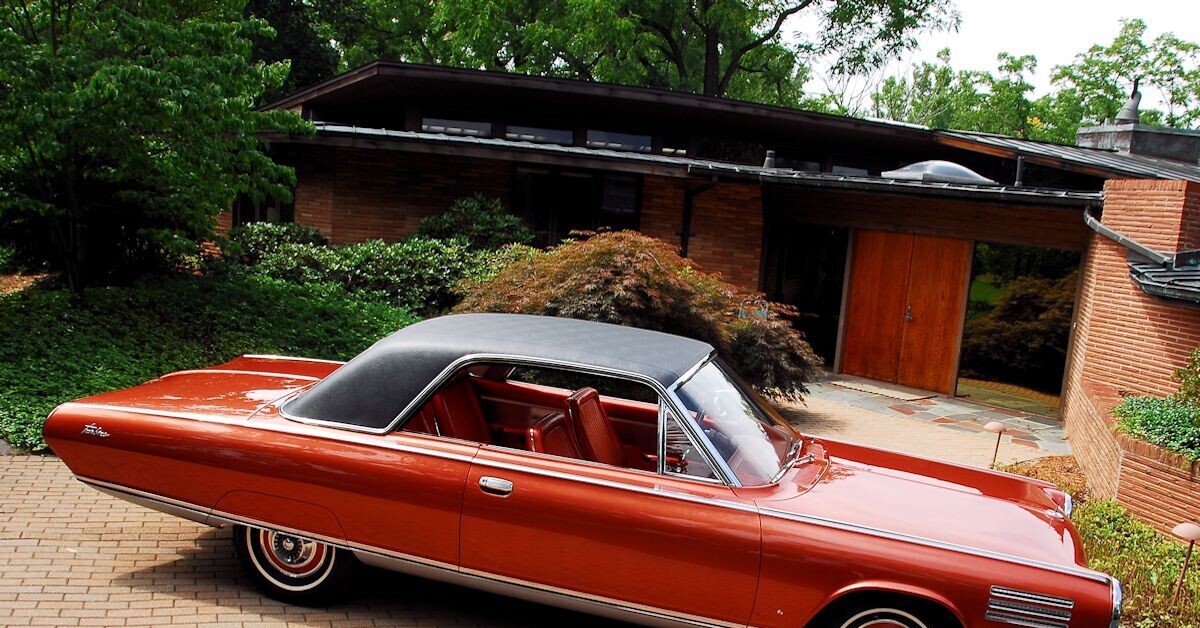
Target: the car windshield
pixel 755 442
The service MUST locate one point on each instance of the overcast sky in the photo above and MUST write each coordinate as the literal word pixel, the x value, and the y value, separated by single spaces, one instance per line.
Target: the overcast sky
pixel 1054 31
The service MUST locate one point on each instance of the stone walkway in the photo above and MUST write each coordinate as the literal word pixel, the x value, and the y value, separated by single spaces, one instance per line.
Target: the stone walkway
pixel 1040 436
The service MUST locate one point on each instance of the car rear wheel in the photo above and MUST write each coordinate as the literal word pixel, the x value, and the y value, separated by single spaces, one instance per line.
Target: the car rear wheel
pixel 293 568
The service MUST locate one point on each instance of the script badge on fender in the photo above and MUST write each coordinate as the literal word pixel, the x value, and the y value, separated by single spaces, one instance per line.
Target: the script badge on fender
pixel 91 429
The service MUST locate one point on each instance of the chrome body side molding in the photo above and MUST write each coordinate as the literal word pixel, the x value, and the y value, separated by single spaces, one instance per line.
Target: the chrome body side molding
pixel 427 568
pixel 943 545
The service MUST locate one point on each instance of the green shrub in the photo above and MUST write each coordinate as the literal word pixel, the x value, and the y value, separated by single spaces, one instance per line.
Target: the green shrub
pixel 417 274
pixel 482 220
pixel 54 349
pixel 8 259
pixel 1023 339
pixel 1146 562
pixel 1189 380
pixel 488 264
pixel 1167 422
pixel 250 242
pixel 630 279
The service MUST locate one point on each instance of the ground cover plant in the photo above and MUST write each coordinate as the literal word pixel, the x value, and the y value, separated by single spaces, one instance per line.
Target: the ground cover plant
pixel 627 278
pixel 54 348
pixel 1169 422
pixel 1145 561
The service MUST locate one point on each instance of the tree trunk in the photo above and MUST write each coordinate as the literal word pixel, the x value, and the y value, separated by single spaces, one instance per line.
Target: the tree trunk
pixel 712 62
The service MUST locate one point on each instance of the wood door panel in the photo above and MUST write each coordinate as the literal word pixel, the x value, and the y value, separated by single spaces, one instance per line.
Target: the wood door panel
pixel 875 305
pixel 937 292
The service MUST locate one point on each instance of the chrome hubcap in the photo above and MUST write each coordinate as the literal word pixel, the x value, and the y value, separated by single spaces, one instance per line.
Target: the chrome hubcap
pixel 292 550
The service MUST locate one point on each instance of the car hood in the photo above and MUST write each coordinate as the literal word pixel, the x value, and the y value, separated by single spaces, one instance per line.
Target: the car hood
pixel 973 508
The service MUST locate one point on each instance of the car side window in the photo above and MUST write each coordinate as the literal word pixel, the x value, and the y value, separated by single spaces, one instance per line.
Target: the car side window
pixel 682 456
pixel 546 410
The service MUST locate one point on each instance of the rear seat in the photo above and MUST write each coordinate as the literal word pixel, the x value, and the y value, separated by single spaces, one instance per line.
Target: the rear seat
pixel 454 412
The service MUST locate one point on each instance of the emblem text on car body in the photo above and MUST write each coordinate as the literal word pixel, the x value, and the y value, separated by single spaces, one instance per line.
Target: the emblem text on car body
pixel 91 429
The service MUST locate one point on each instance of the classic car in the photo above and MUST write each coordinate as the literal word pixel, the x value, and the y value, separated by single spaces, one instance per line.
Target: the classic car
pixel 617 471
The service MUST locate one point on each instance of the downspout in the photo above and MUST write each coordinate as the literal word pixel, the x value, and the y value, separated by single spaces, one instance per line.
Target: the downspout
pixel 1167 261
pixel 689 198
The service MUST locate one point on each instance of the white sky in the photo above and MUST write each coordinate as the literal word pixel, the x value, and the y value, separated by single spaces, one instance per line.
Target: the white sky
pixel 1054 31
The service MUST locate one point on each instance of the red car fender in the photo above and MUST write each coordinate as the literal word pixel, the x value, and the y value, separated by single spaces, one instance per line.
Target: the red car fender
pixel 279 513
pixel 886 586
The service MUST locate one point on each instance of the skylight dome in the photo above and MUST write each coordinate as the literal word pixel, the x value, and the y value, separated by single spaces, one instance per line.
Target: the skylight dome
pixel 938 171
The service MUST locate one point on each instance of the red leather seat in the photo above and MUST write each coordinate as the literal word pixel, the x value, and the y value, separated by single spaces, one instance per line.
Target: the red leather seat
pixel 597 440
pixel 459 414
pixel 553 435
pixel 454 412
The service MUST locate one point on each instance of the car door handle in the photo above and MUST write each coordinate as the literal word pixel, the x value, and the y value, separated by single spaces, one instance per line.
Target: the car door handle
pixel 495 486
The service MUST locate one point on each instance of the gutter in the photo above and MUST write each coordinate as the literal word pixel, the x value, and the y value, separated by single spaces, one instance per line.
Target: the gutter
pixel 1174 276
pixel 1169 261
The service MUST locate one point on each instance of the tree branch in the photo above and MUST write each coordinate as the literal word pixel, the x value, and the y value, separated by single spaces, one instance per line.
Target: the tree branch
pixel 735 59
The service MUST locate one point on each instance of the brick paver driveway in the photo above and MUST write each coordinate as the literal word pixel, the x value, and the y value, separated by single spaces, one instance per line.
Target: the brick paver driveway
pixel 71 556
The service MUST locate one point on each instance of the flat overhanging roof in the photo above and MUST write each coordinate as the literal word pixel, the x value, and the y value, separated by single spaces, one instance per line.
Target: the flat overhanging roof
pixel 667 165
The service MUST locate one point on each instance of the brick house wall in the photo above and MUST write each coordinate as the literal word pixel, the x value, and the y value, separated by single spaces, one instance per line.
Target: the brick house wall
pixel 352 195
pixel 1128 342
pixel 727 225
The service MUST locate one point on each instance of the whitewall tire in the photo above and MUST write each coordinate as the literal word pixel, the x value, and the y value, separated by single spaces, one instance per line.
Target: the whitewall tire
pixel 293 568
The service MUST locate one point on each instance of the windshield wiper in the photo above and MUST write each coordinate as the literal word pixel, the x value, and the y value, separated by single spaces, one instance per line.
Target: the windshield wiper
pixel 792 460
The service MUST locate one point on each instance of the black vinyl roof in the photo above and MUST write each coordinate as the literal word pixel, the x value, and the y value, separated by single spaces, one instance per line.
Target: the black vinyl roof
pixel 372 390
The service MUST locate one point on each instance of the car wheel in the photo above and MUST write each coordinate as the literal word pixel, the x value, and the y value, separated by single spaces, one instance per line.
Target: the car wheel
pixel 887 612
pixel 293 568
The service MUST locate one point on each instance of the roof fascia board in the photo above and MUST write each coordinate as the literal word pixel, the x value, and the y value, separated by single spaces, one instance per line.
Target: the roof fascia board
pixel 326 86
pixel 482 151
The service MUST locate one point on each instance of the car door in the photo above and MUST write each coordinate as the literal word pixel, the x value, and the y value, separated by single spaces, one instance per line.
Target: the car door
pixel 660 544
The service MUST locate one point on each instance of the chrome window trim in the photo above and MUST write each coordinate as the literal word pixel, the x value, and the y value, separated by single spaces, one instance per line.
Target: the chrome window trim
pixel 943 545
pixel 309 378
pixel 724 473
pixel 704 452
pixel 217 518
pixel 268 356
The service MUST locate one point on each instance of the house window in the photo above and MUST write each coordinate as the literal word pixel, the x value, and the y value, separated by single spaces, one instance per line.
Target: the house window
pixel 556 202
pixel 247 211
pixel 456 127
pixel 618 141
pixel 539 135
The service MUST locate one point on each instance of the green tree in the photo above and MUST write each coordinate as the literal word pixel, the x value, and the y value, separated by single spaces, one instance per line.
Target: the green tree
pixel 295 41
pixel 1103 76
pixel 125 127
pixel 733 48
pixel 938 96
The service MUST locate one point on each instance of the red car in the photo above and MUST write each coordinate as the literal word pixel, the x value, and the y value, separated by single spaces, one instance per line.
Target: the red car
pixel 616 471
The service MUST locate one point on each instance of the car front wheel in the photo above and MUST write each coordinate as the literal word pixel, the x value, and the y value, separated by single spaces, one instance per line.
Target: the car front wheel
pixel 292 568
pixel 885 611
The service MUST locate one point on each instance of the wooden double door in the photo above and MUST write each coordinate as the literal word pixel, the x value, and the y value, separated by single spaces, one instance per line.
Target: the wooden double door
pixel 905 308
